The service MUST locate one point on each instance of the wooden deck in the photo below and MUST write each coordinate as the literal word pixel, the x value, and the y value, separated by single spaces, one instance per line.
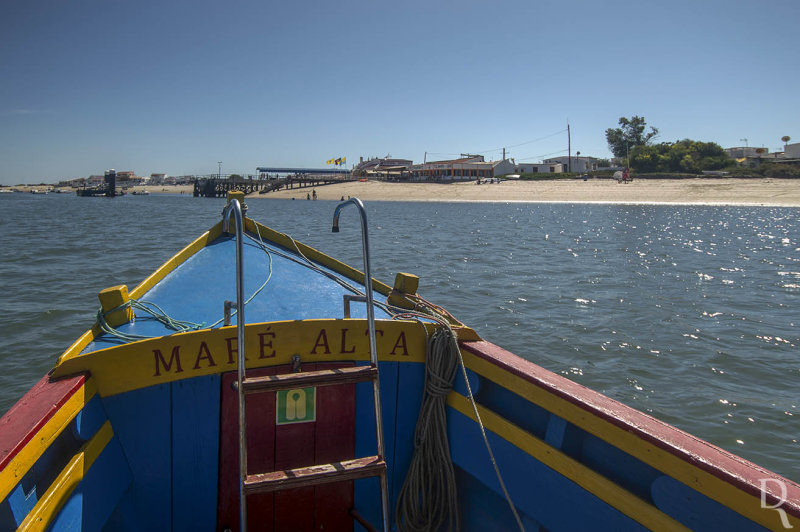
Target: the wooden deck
pixel 218 188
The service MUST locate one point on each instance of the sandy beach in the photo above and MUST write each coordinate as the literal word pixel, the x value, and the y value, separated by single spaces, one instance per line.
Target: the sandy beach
pixel 701 191
pixel 780 192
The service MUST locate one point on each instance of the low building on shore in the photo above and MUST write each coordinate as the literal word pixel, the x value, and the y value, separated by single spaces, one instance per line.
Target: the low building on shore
pixel 463 169
pixel 383 168
pixel 752 157
pixel 574 163
pixel 538 168
pixel 741 152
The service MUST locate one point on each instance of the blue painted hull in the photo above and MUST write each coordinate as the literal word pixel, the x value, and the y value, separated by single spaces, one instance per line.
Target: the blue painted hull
pixel 133 434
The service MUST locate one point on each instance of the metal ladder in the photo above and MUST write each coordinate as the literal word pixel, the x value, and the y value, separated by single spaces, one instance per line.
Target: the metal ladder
pixel 345 470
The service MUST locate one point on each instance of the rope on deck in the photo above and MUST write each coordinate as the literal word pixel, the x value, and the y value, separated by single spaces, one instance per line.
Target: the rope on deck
pixel 168 321
pixel 148 308
pixel 428 498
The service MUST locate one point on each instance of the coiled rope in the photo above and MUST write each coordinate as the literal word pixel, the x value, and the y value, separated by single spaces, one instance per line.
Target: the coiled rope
pixel 428 498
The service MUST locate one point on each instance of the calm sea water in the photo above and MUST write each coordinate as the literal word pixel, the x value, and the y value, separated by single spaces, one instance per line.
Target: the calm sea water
pixel 687 313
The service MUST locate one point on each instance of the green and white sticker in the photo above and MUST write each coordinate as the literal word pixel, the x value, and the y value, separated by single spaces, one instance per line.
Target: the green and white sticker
pixel 296 406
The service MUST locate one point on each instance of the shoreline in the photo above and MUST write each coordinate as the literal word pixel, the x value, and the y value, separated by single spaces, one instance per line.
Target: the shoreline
pixel 698 191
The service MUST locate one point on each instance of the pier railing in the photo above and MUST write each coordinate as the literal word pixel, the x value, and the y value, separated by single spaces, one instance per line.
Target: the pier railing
pixel 218 186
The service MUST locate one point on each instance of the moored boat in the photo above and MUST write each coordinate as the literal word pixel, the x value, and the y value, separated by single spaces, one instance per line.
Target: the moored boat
pixel 137 425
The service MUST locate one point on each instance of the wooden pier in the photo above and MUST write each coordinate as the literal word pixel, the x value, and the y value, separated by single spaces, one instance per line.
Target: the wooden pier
pixel 211 187
pixel 304 181
pixel 218 188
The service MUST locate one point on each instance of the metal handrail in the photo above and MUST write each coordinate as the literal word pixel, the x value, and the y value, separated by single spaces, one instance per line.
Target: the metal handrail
pixel 373 351
pixel 233 206
pixel 348 298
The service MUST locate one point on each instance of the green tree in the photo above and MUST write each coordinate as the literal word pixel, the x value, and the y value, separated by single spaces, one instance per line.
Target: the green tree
pixel 630 134
pixel 687 156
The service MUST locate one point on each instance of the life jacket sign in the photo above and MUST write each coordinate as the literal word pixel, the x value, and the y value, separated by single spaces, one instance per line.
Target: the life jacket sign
pixel 296 406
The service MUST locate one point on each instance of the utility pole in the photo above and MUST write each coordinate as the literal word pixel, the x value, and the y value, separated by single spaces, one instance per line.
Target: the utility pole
pixel 569 150
pixel 504 154
pixel 219 170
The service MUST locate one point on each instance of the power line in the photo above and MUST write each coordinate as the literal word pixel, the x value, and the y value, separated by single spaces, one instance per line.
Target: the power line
pixel 508 147
pixel 524 143
pixel 541 156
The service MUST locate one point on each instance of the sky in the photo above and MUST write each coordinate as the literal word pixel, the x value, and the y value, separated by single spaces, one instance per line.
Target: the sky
pixel 176 86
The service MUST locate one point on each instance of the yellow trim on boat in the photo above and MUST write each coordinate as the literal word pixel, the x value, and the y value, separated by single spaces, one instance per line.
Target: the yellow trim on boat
pixel 79 344
pixel 595 483
pixel 39 443
pixel 206 238
pixel 59 491
pixel 671 465
pixel 180 356
pixel 153 279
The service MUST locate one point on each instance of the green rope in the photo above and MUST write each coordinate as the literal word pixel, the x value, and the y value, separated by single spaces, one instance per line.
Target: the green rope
pixel 146 307
pixel 266 250
pixel 168 321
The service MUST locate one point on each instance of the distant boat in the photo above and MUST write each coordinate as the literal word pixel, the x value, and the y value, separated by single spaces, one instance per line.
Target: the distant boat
pixel 366 406
pixel 6 191
pixel 140 193
pixel 37 191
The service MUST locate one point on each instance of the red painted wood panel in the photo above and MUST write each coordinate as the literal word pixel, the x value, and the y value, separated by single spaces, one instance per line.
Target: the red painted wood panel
pixel 330 438
pixel 32 411
pixel 260 453
pixel 294 447
pixel 336 408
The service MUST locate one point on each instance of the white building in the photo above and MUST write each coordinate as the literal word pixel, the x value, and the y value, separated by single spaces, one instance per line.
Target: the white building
pixel 575 163
pixel 538 168
pixel 792 151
